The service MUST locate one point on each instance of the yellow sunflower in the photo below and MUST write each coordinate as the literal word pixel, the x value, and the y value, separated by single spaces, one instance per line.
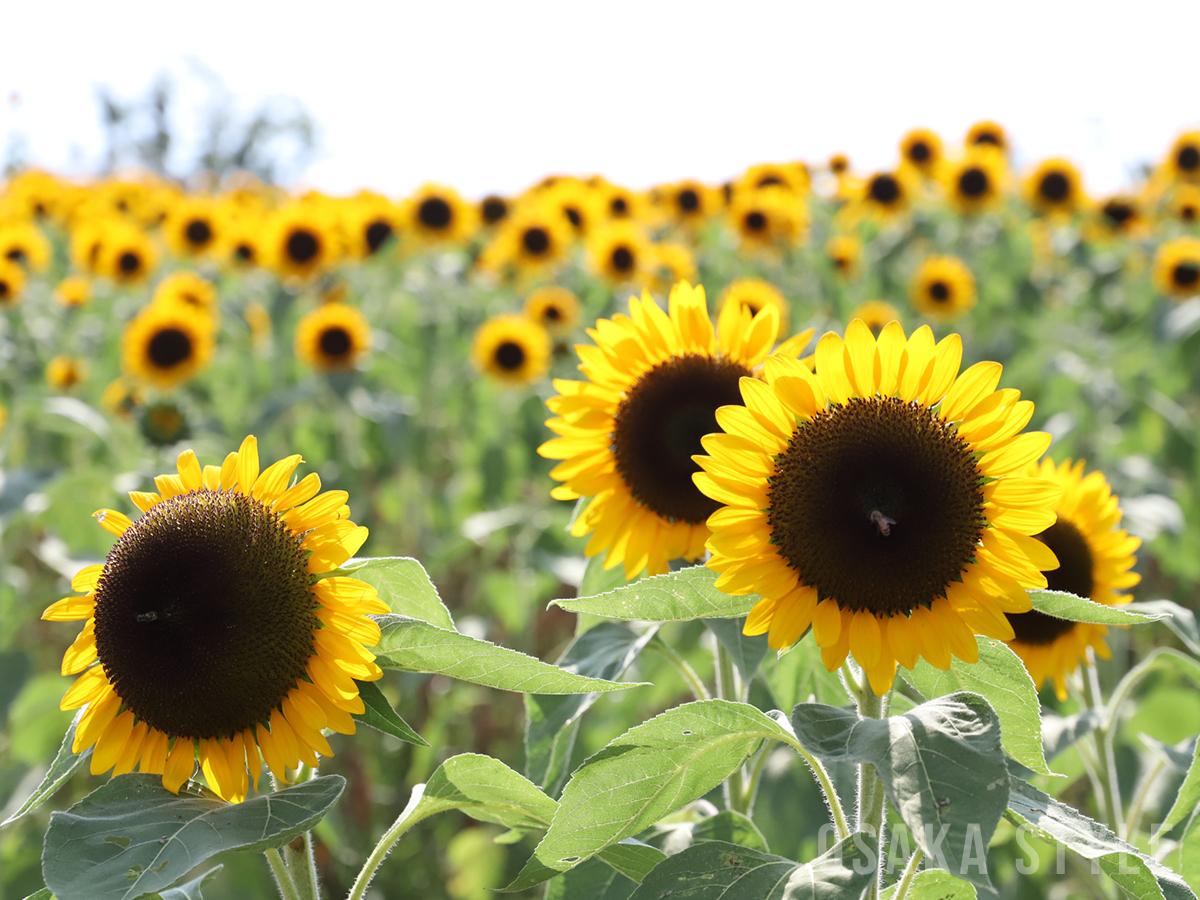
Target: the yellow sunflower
pixel 671 263
pixel 66 372
pixel 755 294
pixel 12 283
pixel 437 215
pixel 620 202
pixel 73 291
pixel 193 226
pixel 531 242
pixel 125 254
pixel 1185 204
pixel 620 252
pixel 689 203
pixel 190 289
pixel 1055 187
pixel 792 177
pixel 1177 268
pixel 373 223
pixel 839 164
pixel 121 397
pixel 1122 215
pixel 241 243
pixel 333 337
pixel 876 314
pixel 1183 160
pixel 513 350
pixel 166 345
pixel 1095 558
pixel 577 203
pixel 880 501
pixel 845 252
pixel 24 243
pixel 768 218
pixel 208 634
pixel 975 183
pixel 302 240
pixel 922 149
pixel 887 195
pixel 627 434
pixel 493 209
pixel 987 134
pixel 554 308
pixel 942 288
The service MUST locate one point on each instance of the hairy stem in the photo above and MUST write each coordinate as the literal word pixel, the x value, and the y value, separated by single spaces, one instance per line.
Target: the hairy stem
pixel 870 788
pixel 910 872
pixel 279 871
pixel 699 691
pixel 406 820
pixel 1108 756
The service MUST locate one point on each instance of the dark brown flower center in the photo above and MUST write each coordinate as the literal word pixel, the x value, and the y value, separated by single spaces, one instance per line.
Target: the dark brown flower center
pixel 1186 274
pixel 198 233
pixel 918 152
pixel 493 209
pixel 1055 187
pixel 536 241
pixel 877 504
pixel 1118 212
pixel 884 189
pixel 435 213
pixel 622 260
pixel 1188 158
pixel 336 342
pixel 688 200
pixel 510 356
pixel 755 221
pixel 129 263
pixel 169 347
pixel 1073 575
pixel 377 234
pixel 973 183
pixel 939 292
pixel 302 246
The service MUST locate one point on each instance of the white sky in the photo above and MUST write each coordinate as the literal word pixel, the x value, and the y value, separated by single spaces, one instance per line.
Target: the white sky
pixel 494 95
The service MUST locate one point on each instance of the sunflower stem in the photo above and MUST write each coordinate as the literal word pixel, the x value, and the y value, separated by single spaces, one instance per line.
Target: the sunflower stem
pixel 729 688
pixel 1107 754
pixel 408 817
pixel 1133 819
pixel 910 872
pixel 870 788
pixel 299 856
pixel 831 795
pixel 699 691
pixel 279 871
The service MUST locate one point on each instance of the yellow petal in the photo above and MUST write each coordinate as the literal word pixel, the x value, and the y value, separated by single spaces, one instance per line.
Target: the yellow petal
pixel 247 464
pixel 112 521
pixel 189 471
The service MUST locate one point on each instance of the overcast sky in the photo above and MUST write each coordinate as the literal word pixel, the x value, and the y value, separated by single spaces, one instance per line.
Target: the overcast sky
pixel 493 95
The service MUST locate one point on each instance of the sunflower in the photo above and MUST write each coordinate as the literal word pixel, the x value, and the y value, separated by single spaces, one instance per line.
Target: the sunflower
pixel 302 240
pixel 437 215
pixel 66 372
pixel 1095 558
pixel 768 218
pixel 689 203
pixel 1185 204
pixel 241 241
pixel 24 243
pixel 839 164
pixel 373 223
pixel 166 345
pixel 333 337
pixel 987 134
pixel 755 294
pixel 975 183
pixel 1183 160
pixel 792 177
pixel 207 633
pixel 620 202
pixel 73 291
pixel 513 350
pixel 943 288
pixel 190 289
pixel 1177 268
pixel 879 501
pixel 164 423
pixel 671 263
pixel 193 226
pixel 12 283
pixel 886 194
pixel 554 308
pixel 845 252
pixel 493 209
pixel 1122 215
pixel 627 434
pixel 125 254
pixel 620 252
pixel 876 314
pixel 577 203
pixel 922 149
pixel 259 321
pixel 1055 187
pixel 121 397
pixel 533 240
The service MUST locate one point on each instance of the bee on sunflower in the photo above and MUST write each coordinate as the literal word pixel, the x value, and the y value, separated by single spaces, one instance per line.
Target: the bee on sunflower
pixel 512 350
pixel 1095 561
pixel 248 655
pixel 626 435
pixel 333 337
pixel 880 501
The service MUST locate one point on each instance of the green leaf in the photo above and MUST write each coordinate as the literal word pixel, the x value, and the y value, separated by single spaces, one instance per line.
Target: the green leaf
pixel 1186 858
pixel 1000 678
pixel 1062 605
pixel 64 765
pixel 941 765
pixel 416 646
pixel 380 715
pixel 43 894
pixel 404 585
pixel 747 651
pixel 798 675
pixel 132 836
pixel 1138 876
pixel 675 597
pixel 591 881
pixel 552 721
pixel 631 858
pixel 728 826
pixel 189 890
pixel 651 770
pixel 715 870
pixel 1186 799
pixel 485 789
pixel 598 580
pixel 934 884
pixel 1061 732
pixel 1180 619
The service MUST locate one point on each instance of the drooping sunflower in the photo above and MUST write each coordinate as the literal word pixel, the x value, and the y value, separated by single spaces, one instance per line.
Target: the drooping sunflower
pixel 1055 187
pixel 1095 558
pixel 880 501
pixel 333 337
pixel 193 226
pixel 627 434
pixel 755 294
pixel 1183 160
pixel 208 636
pixel 302 240
pixel 844 251
pixel 73 291
pixel 166 345
pixel 922 149
pixel 768 218
pixel 125 254
pixel 1177 268
pixel 619 252
pixel 876 314
pixel 975 183
pixel 554 308
pixel 942 288
pixel 12 283
pixel 63 373
pixel 513 350
pixel 987 134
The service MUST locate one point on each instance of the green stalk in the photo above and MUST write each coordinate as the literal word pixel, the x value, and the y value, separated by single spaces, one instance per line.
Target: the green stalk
pixel 729 688
pixel 279 871
pixel 870 789
pixel 1134 819
pixel 406 820
pixel 301 862
pixel 910 872
pixel 1108 756
pixel 699 691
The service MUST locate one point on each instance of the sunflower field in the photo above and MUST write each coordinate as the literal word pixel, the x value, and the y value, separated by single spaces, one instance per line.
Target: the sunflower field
pixel 816 534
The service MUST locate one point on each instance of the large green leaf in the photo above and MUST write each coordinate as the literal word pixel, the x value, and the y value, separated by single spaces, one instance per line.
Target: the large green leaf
pixel 380 715
pixel 64 764
pixel 728 826
pixel 1000 678
pixel 651 770
pixel 1187 798
pixel 934 884
pixel 941 765
pixel 189 890
pixel 132 836
pixel 598 580
pixel 552 720
pixel 416 646
pixel 1062 605
pixel 1139 876
pixel 1061 732
pixel 404 585
pixel 747 651
pixel 593 880
pixel 715 870
pixel 675 597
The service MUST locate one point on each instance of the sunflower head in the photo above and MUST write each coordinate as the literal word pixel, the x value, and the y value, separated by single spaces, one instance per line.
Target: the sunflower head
pixel 975 183
pixel 189 289
pixel 73 291
pixel 1121 215
pixel 768 218
pixel 1183 159
pixel 493 209
pixel 193 226
pixel 988 135
pixel 921 149
pixel 1185 204
pixel 12 283
pixel 1096 559
pixel 878 501
pixel 166 345
pixel 22 242
pixel 554 308
pixel 620 252
pixel 333 337
pixel 125 254
pixel 207 635
pixel 876 315
pixel 792 177
pixel 303 239
pixel 1177 268
pixel 839 164
pixel 512 350
pixel 530 242
pixel 65 373
pixel 755 295
pixel 689 202
pixel 943 288
pixel 670 263
pixel 844 251
pixel 1055 187
pixel 121 397
pixel 887 194
pixel 438 215
pixel 164 423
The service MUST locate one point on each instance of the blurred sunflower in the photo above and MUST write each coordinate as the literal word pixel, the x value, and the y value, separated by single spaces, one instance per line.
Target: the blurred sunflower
pixel 1055 187
pixel 533 240
pixel 987 134
pixel 1095 558
pixel 24 244
pixel 164 423
pixel 554 308
pixel 302 240
pixel 259 320
pixel 73 291
pixel 1177 268
pixel 121 397
pixel 192 226
pixel 689 203
pixel 374 223
pixel 493 209
pixel 166 345
pixel 241 244
pixel 626 435
pixel 792 177
pixel 942 288
pixel 880 502
pixel 671 263
pixel 922 149
pixel 876 314
pixel 438 215
pixel 1122 215
pixel 620 202
pixel 768 218
pixel 512 350
pixel 886 194
pixel 619 252
pixel 12 283
pixel 839 164
pixel 1185 204
pixel 975 183
pixel 333 337
pixel 755 295
pixel 188 288
pixel 1183 160
pixel 246 652
pixel 66 372
pixel 844 251
pixel 577 203
pixel 125 254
